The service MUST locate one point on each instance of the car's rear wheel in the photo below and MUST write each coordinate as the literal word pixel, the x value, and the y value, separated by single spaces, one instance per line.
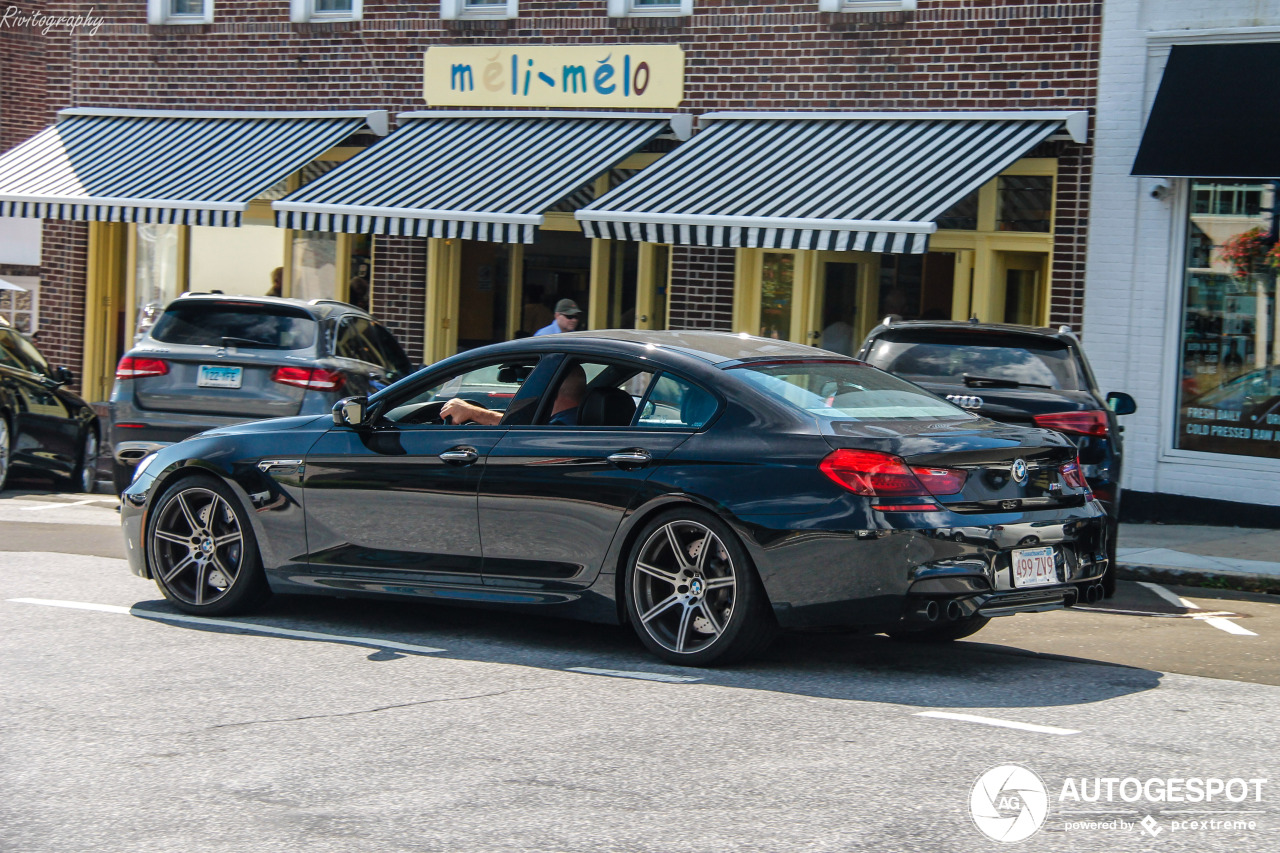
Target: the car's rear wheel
pixel 85 476
pixel 202 551
pixel 957 629
pixel 6 448
pixel 692 594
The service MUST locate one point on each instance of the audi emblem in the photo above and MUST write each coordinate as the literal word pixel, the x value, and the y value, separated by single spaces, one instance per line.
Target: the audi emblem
pixel 966 401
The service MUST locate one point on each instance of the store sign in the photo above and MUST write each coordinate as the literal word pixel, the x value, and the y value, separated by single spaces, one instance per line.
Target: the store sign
pixel 563 76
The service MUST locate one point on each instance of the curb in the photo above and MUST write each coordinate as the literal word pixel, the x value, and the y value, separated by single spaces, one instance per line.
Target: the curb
pixel 1247 581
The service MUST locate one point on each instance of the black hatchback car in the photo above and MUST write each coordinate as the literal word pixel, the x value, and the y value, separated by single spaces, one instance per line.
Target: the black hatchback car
pixel 212 359
pixel 1023 375
pixel 44 427
pixel 704 487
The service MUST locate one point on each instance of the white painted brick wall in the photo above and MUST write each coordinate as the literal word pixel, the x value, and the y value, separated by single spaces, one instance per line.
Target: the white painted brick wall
pixel 1132 287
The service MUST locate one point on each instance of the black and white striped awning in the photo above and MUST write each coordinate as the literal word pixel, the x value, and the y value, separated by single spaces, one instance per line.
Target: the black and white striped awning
pixel 170 166
pixel 469 175
pixel 840 181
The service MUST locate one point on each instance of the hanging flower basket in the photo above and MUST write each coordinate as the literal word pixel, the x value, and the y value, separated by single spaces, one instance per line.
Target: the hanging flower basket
pixel 1247 251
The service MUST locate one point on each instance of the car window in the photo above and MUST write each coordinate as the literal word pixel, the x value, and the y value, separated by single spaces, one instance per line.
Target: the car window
pixel 587 392
pixel 492 386
pixel 248 325
pixel 952 357
pixel 392 354
pixel 354 341
pixel 676 404
pixel 17 351
pixel 844 391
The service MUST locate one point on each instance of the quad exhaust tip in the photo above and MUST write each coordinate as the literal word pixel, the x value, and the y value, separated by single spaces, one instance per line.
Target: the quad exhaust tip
pixel 928 611
pixel 954 610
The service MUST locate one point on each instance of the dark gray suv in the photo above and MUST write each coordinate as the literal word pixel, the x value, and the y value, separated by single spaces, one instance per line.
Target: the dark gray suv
pixel 212 360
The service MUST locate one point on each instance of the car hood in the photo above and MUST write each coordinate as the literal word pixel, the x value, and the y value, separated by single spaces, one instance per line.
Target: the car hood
pixel 270 425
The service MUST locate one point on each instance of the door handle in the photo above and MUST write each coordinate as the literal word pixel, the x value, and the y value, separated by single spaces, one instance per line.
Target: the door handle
pixel 636 457
pixel 460 456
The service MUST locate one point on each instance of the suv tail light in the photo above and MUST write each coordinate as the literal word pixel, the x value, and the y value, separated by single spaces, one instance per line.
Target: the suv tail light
pixel 1076 423
pixel 314 378
pixel 883 475
pixel 1073 476
pixel 135 368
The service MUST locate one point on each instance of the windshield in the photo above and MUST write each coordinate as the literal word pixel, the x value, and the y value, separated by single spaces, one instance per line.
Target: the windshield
pixel 844 391
pixel 235 325
pixel 949 358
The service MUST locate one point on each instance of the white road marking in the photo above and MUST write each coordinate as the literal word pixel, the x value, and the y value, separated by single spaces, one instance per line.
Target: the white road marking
pixel 643 676
pixel 45 506
pixel 992 721
pixel 1226 625
pixel 1168 595
pixel 1218 620
pixel 227 623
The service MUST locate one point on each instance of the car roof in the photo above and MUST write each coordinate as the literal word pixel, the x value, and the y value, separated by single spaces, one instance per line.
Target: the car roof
pixel 716 347
pixel 963 326
pixel 318 308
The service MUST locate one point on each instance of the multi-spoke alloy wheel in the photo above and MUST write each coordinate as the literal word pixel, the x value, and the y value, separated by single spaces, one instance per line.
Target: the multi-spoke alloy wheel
pixel 4 449
pixel 693 597
pixel 202 555
pixel 86 476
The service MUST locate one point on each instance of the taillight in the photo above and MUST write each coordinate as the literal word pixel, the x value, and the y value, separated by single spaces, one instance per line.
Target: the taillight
pixel 883 475
pixel 135 368
pixel 315 378
pixel 1073 476
pixel 1077 423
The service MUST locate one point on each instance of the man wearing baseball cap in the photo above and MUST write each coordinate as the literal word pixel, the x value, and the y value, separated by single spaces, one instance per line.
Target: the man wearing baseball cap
pixel 566 319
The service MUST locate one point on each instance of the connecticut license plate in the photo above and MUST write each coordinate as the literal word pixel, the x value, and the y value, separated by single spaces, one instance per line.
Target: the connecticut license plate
pixel 1034 567
pixel 218 376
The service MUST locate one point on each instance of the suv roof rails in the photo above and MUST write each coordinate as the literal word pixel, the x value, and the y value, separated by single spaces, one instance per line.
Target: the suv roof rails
pixel 890 319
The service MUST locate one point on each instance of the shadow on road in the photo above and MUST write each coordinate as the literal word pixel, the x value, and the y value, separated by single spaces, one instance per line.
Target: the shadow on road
pixel 834 666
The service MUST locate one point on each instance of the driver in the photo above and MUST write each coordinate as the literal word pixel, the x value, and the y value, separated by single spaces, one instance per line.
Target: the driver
pixel 564 411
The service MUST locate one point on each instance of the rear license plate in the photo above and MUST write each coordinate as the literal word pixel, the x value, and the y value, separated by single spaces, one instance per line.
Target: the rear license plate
pixel 1034 567
pixel 217 376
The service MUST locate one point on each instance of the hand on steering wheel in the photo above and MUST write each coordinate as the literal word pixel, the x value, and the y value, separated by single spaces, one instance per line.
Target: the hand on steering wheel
pixel 460 411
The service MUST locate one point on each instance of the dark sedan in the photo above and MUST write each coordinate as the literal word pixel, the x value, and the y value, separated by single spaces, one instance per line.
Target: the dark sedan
pixel 1025 375
pixel 706 488
pixel 44 428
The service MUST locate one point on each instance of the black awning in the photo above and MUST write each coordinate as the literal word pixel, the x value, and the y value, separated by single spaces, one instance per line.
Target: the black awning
pixel 1215 115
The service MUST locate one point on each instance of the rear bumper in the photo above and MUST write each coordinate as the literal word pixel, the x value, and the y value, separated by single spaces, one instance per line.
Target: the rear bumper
pixel 878 579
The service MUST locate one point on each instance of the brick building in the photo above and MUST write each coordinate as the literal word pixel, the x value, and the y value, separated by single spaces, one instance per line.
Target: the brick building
pixel 1008 195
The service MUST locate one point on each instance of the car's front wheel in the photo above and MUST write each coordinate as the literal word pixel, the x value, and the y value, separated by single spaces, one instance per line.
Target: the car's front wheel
pixel 202 551
pixel 692 594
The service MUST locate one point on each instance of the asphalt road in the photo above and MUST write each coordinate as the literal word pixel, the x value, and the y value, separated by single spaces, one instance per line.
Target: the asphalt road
pixel 323 725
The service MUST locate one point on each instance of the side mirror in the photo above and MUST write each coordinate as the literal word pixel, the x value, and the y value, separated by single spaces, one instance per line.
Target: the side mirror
pixel 63 376
pixel 1121 403
pixel 350 411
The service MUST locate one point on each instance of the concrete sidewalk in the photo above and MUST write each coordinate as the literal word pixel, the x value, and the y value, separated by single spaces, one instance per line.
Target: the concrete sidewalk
pixel 1239 557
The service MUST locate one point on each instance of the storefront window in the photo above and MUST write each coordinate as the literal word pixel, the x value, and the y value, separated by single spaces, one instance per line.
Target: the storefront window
pixel 1229 391
pixel 155 272
pixel 777 285
pixel 1026 202
pixel 315 265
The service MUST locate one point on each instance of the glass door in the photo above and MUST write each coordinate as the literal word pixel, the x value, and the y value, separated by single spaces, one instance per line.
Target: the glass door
pixel 835 308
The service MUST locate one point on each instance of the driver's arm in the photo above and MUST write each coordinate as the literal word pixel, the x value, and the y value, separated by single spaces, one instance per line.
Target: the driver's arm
pixel 461 411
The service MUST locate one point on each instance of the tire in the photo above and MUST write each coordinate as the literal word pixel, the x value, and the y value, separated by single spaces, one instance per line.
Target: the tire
pixel 202 552
pixel 6 449
pixel 692 595
pixel 85 476
pixel 121 477
pixel 950 632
